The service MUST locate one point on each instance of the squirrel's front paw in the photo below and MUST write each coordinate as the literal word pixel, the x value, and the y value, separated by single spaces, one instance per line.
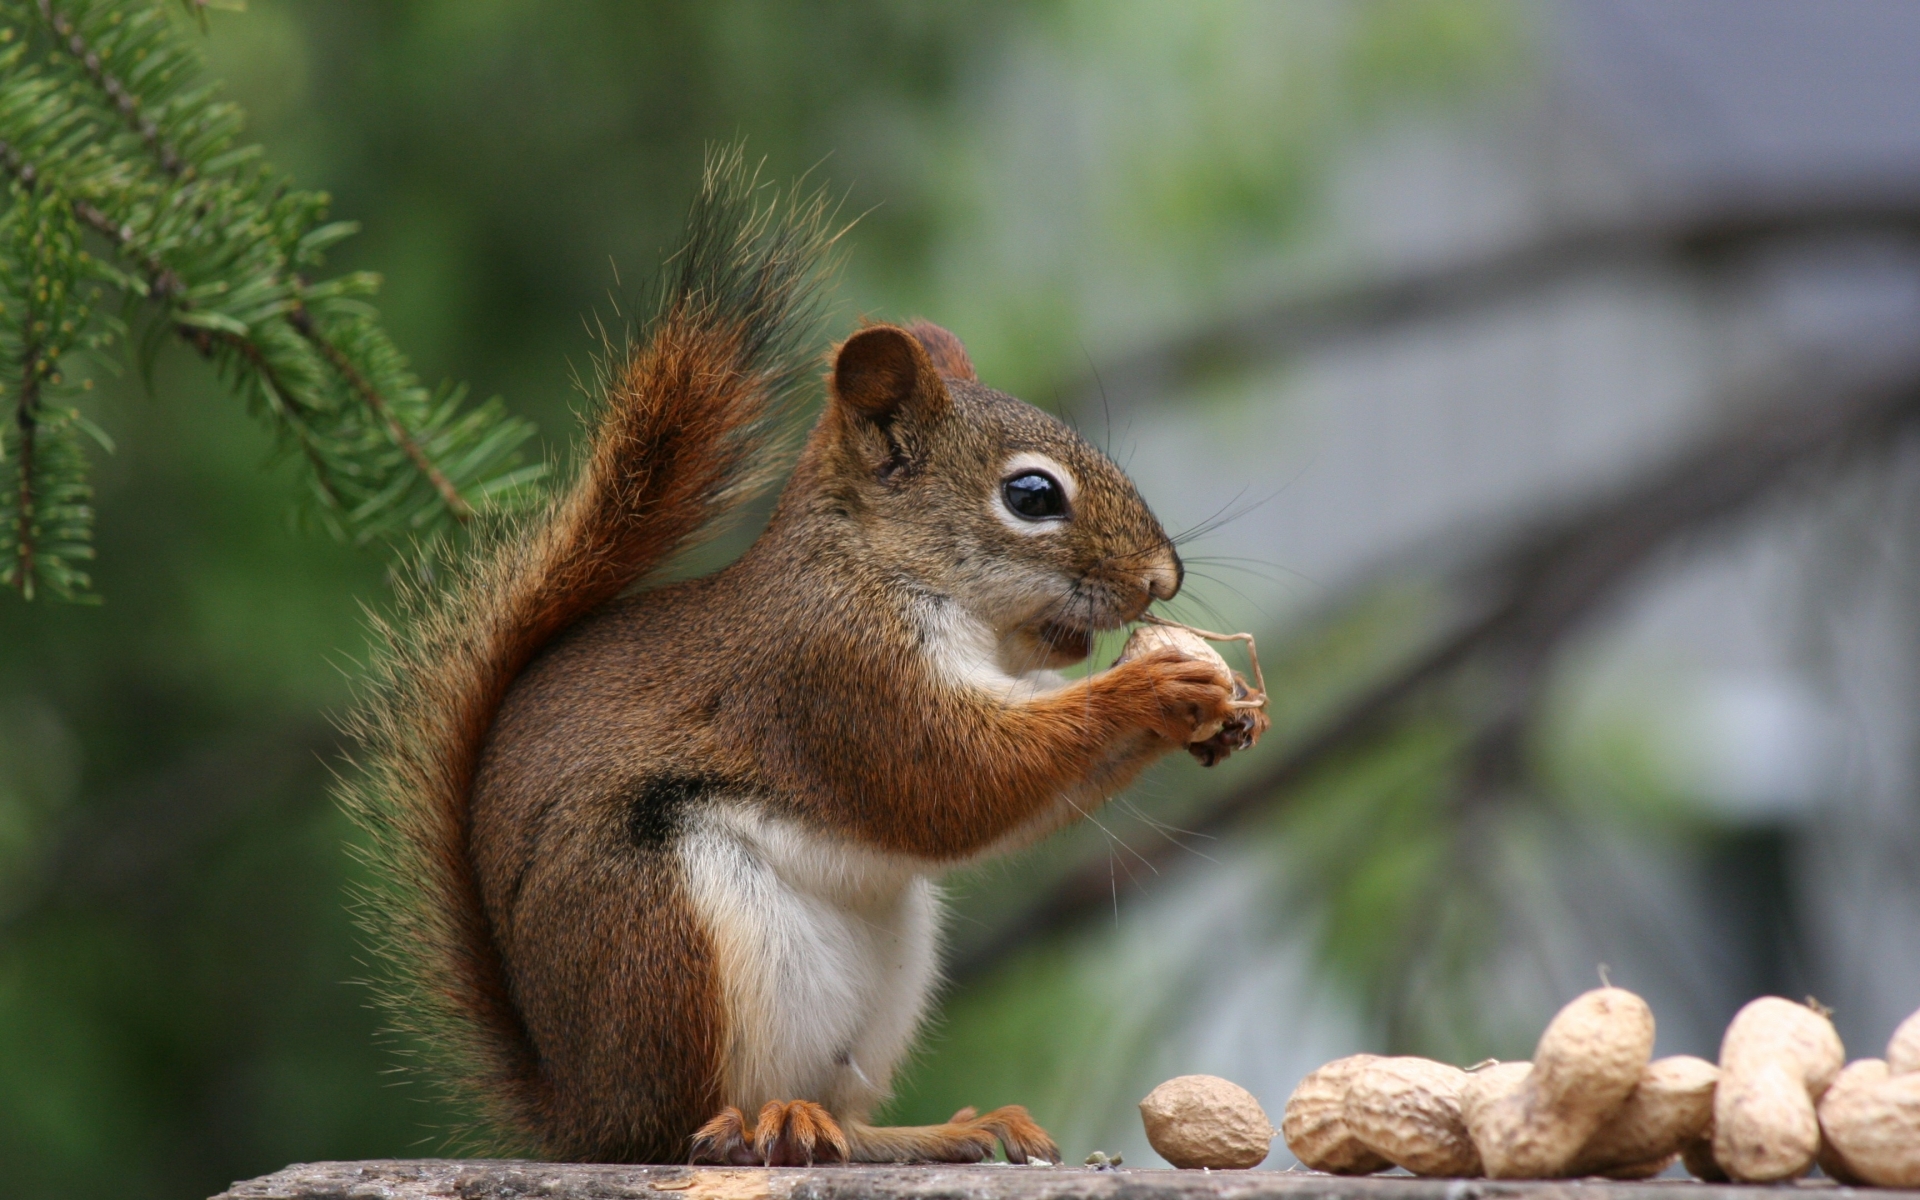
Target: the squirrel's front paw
pixel 1240 732
pixel 1183 695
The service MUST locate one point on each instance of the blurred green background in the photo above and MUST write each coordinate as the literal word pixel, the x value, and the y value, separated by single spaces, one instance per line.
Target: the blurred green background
pixel 177 1005
pixel 1059 183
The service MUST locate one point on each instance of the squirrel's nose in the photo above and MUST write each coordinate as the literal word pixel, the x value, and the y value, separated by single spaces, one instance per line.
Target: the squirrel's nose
pixel 1164 578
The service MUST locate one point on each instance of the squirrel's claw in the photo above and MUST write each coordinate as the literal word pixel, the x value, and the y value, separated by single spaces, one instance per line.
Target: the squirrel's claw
pixel 798 1133
pixel 1240 732
pixel 1019 1134
pixel 794 1133
pixel 723 1141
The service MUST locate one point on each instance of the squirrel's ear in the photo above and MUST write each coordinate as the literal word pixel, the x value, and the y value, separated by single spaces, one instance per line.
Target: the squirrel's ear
pixel 883 372
pixel 949 356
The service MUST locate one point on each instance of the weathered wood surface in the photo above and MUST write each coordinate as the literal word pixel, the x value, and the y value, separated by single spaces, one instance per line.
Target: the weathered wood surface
pixel 483 1179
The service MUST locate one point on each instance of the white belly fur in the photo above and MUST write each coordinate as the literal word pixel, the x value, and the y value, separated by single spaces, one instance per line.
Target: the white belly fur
pixel 827 955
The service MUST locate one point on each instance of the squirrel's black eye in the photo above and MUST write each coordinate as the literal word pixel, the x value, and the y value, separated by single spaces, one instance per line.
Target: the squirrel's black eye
pixel 1035 496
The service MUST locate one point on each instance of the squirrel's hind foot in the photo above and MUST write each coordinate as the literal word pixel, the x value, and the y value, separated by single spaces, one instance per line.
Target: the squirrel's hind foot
pixel 792 1133
pixel 800 1133
pixel 968 1137
pixel 724 1141
pixel 1020 1135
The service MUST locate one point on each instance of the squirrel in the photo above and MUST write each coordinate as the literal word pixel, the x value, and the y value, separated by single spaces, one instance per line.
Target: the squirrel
pixel 657 862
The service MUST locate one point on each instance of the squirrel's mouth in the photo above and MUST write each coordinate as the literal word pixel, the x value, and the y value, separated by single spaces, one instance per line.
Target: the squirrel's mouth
pixel 1064 635
pixel 1066 643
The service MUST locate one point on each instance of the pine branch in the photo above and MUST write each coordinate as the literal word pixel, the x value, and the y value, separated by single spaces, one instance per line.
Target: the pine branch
pixel 124 101
pixel 303 322
pixel 48 290
pixel 109 116
pixel 163 285
pixel 25 536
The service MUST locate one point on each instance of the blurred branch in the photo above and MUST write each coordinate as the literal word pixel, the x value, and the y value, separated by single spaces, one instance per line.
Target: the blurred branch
pixel 1524 596
pixel 1698 234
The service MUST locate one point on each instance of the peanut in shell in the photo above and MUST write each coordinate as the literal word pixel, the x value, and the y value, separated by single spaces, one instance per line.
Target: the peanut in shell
pixel 1198 1121
pixel 1871 1121
pixel 1586 1064
pixel 1776 1061
pixel 1407 1110
pixel 1903 1049
pixel 1148 638
pixel 1670 1107
pixel 1836 1167
pixel 1765 1127
pixel 1315 1123
pixel 1697 1157
pixel 1488 1083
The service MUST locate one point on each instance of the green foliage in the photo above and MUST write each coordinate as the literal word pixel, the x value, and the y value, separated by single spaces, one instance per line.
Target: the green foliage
pixel 110 134
pixel 49 289
pixel 1442 48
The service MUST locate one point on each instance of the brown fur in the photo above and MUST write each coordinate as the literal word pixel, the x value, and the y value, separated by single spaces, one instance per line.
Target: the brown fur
pixel 553 740
pixel 948 355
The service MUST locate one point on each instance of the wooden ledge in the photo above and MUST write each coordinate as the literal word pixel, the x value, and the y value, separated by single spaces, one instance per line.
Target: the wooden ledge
pixel 506 1179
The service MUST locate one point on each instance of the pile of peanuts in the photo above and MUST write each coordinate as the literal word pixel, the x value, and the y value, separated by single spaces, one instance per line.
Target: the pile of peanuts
pixel 1594 1101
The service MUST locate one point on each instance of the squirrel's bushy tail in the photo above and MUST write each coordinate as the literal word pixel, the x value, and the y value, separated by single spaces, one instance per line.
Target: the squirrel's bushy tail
pixel 687 410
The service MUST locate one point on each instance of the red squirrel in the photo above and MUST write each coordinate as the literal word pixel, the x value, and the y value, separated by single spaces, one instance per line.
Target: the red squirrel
pixel 658 864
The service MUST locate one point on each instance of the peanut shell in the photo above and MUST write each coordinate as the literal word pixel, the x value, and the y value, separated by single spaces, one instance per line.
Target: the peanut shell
pixel 1407 1110
pixel 1668 1108
pixel 1587 1062
pixel 1697 1156
pixel 1903 1049
pixel 1836 1166
pixel 1205 1121
pixel 1486 1084
pixel 1871 1118
pixel 1148 638
pixel 1765 1128
pixel 1315 1123
pixel 1775 1030
pixel 1776 1060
